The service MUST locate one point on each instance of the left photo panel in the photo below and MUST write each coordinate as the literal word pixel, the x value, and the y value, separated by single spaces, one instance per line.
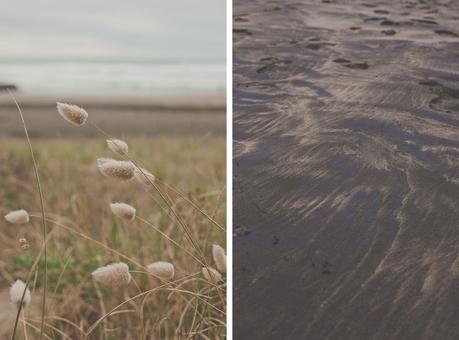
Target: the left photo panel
pixel 113 170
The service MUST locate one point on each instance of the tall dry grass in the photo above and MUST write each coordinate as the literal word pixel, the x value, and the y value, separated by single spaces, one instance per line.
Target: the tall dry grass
pixel 178 218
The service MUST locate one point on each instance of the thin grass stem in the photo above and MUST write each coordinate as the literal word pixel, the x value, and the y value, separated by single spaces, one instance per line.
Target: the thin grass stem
pixel 42 207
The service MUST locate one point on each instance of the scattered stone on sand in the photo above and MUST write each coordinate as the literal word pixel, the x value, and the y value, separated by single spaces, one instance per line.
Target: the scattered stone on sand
pixel 326 264
pixel 341 61
pixel 425 21
pixel 240 19
pixel 446 33
pixel 313 46
pixel 273 9
pixel 240 231
pixel 389 32
pixel 242 31
pixel 389 23
pixel 358 66
pixel 374 19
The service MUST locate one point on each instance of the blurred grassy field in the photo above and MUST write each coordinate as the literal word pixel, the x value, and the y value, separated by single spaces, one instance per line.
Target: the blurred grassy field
pixel 77 195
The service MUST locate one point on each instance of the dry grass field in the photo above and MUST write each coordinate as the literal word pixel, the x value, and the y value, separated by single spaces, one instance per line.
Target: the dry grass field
pixel 84 235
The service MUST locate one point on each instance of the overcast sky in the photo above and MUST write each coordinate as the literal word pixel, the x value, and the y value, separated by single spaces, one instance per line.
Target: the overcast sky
pixel 182 29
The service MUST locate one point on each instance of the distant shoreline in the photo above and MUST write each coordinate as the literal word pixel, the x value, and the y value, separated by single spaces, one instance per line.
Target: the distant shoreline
pixel 179 116
pixel 191 103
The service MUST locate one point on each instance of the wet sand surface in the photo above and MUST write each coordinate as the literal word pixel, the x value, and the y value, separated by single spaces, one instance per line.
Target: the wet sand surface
pixel 346 169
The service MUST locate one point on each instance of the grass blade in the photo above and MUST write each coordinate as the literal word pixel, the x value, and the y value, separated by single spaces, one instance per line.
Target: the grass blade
pixel 37 177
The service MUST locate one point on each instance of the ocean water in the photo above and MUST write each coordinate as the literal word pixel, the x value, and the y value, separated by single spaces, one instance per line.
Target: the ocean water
pixel 98 77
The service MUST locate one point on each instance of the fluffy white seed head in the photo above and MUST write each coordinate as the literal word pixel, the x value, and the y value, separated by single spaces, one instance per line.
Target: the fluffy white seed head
pixel 122 170
pixel 211 275
pixel 17 216
pixel 144 176
pixel 162 269
pixel 123 211
pixel 118 146
pixel 16 292
pixel 115 274
pixel 72 113
pixel 218 253
pixel 101 161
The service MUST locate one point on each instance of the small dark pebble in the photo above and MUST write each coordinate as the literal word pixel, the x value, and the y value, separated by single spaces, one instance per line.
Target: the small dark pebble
pixel 242 31
pixel 424 21
pixel 341 61
pixel 326 272
pixel 381 11
pixel 275 240
pixel 326 264
pixel 239 19
pixel 313 46
pixel 429 82
pixel 240 231
pixel 354 28
pixel 272 59
pixel 273 9
pixel 262 69
pixel 389 23
pixel 374 19
pixel 447 33
pixel 389 32
pixel 358 66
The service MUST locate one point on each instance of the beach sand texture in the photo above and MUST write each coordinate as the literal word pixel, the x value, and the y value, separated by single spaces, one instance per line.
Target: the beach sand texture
pixel 346 169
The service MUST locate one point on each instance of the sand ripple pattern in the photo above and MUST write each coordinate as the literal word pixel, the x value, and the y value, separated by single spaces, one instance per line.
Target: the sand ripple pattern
pixel 346 176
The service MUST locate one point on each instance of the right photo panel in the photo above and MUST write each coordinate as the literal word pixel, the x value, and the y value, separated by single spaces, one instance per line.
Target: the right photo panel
pixel 346 169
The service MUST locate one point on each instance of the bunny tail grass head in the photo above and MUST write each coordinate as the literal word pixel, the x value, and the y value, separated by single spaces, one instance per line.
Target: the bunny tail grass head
pixel 211 275
pixel 218 253
pixel 101 161
pixel 162 269
pixel 72 113
pixel 115 274
pixel 144 176
pixel 118 146
pixel 123 211
pixel 16 292
pixel 17 217
pixel 122 170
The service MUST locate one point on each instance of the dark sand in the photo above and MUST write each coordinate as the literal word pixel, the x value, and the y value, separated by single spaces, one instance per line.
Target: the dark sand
pixel 122 116
pixel 346 170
